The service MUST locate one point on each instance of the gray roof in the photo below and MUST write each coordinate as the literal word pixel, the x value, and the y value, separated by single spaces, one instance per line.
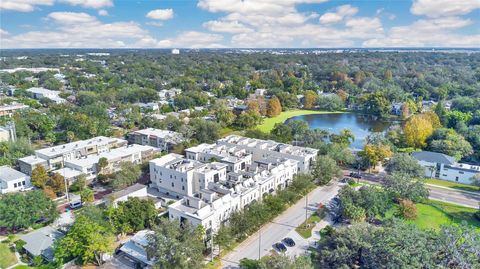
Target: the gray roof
pixel 40 242
pixel 127 191
pixel 9 174
pixel 433 157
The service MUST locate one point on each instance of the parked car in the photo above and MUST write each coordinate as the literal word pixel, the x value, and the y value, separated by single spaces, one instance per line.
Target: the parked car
pixel 355 175
pixel 75 204
pixel 289 242
pixel 280 247
pixel 345 179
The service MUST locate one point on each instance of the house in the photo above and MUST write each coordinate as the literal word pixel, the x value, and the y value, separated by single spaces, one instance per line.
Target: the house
pixel 9 110
pixel 175 51
pixel 8 133
pixel 39 93
pixel 135 249
pixel 12 180
pixel 268 148
pixel 445 167
pixel 40 242
pixel 136 190
pixel 162 139
pixel 149 106
pixel 177 176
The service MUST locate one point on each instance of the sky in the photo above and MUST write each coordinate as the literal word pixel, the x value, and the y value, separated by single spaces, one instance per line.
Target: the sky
pixel 239 23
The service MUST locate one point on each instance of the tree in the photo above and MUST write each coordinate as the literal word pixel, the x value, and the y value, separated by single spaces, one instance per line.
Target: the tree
pixel 388 74
pixel 223 238
pixel 57 183
pixel 79 184
pixel 87 195
pixel 87 241
pixel 449 142
pixel 344 138
pixel 248 119
pixel 330 103
pixel 309 99
pixel 175 246
pixel 39 176
pixel 325 169
pixel 133 215
pixel 22 210
pixel 372 154
pixel 282 133
pixel 376 104
pixel 417 129
pixel 407 209
pixel 274 108
pixel 70 136
pixel 102 164
pixel 406 164
pixel 129 174
pixel 403 186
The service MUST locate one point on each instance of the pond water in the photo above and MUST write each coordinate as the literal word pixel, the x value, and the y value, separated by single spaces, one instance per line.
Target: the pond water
pixel 360 125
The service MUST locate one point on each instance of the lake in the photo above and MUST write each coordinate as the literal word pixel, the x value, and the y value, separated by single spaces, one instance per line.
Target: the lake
pixel 360 125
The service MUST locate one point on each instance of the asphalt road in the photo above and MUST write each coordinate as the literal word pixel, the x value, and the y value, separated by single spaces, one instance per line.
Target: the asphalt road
pixel 437 193
pixel 281 227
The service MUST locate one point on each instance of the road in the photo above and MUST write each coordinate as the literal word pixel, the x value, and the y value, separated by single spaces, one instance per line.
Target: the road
pixel 458 197
pixel 281 227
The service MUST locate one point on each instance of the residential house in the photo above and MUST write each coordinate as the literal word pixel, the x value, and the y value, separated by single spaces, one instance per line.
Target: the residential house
pixel 135 249
pixel 39 93
pixel 12 180
pixel 9 110
pixel 40 242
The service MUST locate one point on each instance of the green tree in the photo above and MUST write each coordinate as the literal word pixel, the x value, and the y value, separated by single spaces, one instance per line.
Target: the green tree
pixel 22 210
pixel 87 195
pixel 282 133
pixel 449 142
pixel 134 215
pixel 223 238
pixel 129 174
pixel 325 169
pixel 102 164
pixel 87 241
pixel 403 186
pixel 176 246
pixel 406 164
pixel 39 176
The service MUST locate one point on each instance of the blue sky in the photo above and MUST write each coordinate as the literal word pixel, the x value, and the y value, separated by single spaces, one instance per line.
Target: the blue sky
pixel 238 23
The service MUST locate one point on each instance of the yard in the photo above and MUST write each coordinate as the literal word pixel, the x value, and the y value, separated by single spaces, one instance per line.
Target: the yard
pixel 269 123
pixel 453 185
pixel 7 257
pixel 311 221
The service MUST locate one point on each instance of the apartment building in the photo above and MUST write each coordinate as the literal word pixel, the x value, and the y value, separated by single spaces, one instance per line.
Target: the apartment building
pixel 236 158
pixel 88 165
pixel 177 176
pixel 162 139
pixel 9 110
pixel 8 133
pixel 12 180
pixel 55 157
pixel 445 167
pixel 268 148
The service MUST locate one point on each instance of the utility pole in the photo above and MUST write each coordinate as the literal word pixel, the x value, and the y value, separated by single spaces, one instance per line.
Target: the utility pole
pixel 306 210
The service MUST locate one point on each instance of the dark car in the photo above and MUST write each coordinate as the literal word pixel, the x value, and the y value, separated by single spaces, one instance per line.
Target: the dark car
pixel 280 247
pixel 355 175
pixel 345 179
pixel 289 242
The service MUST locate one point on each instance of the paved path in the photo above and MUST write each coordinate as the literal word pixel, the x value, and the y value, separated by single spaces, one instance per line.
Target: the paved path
pixel 281 227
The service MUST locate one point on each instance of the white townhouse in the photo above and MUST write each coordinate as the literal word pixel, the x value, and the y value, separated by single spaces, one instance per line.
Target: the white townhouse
pixel 163 139
pixel 56 156
pixel 236 158
pixel 268 148
pixel 131 153
pixel 12 180
pixel 445 167
pixel 39 93
pixel 174 175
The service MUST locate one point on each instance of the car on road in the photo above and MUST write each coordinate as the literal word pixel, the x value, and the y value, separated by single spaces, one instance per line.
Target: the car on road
pixel 288 241
pixel 355 175
pixel 280 247
pixel 345 179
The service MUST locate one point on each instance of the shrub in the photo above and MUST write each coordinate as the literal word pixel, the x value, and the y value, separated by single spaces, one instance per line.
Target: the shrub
pixel 407 209
pixel 19 245
pixel 351 182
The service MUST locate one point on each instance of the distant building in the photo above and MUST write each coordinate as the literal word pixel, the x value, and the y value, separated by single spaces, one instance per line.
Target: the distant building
pixel 236 158
pixel 8 133
pixel 39 93
pixel 162 139
pixel 175 51
pixel 445 167
pixel 12 180
pixel 136 190
pixel 9 110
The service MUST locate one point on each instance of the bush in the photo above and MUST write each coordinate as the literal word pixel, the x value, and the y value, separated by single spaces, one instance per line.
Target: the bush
pixel 351 182
pixel 19 245
pixel 246 263
pixel 328 230
pixel 477 215
pixel 407 209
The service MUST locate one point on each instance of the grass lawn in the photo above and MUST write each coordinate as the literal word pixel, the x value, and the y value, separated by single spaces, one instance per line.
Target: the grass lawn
pixel 433 214
pixel 23 267
pixel 453 185
pixel 268 123
pixel 7 257
pixel 311 221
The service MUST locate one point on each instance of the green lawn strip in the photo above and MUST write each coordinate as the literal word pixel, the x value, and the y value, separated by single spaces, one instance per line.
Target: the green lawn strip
pixel 453 185
pixel 269 123
pixel 311 222
pixel 7 257
pixel 23 267
pixel 433 214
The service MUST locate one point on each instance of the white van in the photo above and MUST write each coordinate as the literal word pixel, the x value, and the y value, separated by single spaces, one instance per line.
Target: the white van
pixel 76 204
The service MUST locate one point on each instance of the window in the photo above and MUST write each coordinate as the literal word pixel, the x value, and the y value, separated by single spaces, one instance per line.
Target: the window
pixel 456 178
pixel 461 172
pixel 14 185
pixel 183 188
pixel 173 185
pixel 23 183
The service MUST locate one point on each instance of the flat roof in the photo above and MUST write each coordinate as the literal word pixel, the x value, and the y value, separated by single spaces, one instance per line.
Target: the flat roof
pixel 9 174
pixel 112 154
pixel 32 160
pixel 65 148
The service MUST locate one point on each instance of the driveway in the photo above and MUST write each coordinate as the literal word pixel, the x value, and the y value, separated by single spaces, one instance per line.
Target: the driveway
pixel 281 227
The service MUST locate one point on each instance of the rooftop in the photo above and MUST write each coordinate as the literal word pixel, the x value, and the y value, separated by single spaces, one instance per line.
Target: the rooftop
pixel 433 157
pixel 40 242
pixel 177 162
pixel 9 174
pixel 77 145
pixel 159 133
pixel 116 153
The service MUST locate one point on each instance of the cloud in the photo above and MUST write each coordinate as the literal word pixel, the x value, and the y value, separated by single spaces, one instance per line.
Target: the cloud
pixel 439 32
pixel 3 32
pixel 192 39
pixel 160 14
pixel 96 4
pixel 340 13
pixel 103 12
pixel 440 8
pixel 155 23
pixel 78 30
pixel 226 27
pixel 23 5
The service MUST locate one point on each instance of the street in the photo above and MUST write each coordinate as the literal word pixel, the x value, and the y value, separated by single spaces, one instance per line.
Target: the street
pixel 281 227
